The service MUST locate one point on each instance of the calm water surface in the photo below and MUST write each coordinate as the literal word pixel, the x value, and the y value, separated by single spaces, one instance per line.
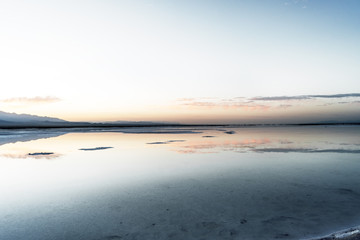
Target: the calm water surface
pixel 256 183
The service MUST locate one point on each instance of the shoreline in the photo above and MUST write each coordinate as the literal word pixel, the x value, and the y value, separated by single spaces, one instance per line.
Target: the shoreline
pixel 71 125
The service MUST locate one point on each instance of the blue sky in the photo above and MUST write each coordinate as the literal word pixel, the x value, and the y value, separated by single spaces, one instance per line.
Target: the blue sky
pixel 136 60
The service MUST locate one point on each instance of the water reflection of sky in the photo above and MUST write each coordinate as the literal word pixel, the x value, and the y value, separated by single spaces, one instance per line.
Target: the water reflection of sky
pixel 261 140
pixel 286 139
pixel 258 174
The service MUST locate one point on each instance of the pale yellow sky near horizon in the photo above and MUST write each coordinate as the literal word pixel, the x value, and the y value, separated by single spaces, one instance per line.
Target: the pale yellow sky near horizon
pixel 207 110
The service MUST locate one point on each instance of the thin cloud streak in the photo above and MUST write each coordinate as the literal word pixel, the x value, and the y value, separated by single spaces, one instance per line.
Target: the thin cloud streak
pixel 285 106
pixel 273 109
pixel 37 99
pixel 305 97
pixel 233 103
pixel 253 104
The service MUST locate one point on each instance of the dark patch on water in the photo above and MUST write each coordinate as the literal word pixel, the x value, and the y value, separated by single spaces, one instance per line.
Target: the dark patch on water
pixel 230 132
pixel 166 142
pixel 157 143
pixel 40 153
pixel 210 225
pixel 282 235
pixel 113 237
pixel 346 191
pixel 243 221
pixel 94 149
pixel 304 150
pixel 279 219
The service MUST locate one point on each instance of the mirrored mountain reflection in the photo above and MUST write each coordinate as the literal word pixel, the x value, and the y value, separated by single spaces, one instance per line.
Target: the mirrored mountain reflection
pixel 13 136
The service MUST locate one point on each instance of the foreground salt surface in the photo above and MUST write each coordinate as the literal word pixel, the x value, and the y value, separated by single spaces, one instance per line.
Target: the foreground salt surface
pixel 348 234
pixel 224 187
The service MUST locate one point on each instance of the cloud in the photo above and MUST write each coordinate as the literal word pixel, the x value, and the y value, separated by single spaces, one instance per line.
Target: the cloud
pixel 305 97
pixel 284 106
pixel 269 103
pixel 201 104
pixel 231 103
pixel 185 99
pixel 334 103
pixel 280 98
pixel 47 99
pixel 336 95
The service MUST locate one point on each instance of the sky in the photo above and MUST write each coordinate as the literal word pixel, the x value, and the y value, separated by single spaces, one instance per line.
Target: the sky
pixel 225 61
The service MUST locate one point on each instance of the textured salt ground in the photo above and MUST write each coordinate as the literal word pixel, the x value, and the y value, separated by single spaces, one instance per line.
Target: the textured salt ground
pixel 349 234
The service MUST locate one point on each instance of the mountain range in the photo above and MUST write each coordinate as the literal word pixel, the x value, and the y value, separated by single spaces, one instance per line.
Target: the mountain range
pixel 14 120
pixel 26 118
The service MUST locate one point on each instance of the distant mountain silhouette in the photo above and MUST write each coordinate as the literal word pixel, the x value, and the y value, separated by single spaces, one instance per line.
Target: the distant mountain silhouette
pixel 9 119
pixel 13 120
pixel 21 121
pixel 139 123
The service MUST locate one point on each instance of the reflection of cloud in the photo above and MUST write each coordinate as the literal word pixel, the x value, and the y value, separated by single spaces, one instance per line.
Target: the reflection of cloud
pixel 304 150
pixel 305 97
pixel 199 147
pixel 193 151
pixel 284 106
pixel 166 142
pixel 13 136
pixel 261 146
pixel 94 149
pixel 47 99
pixel 186 151
pixel 26 156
